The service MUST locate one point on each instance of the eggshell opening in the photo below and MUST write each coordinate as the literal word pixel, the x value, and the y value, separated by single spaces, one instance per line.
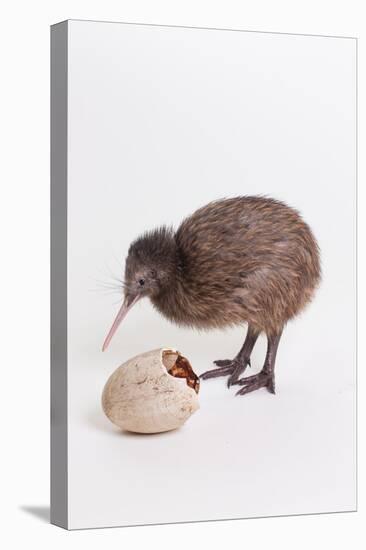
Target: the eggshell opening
pixel 178 366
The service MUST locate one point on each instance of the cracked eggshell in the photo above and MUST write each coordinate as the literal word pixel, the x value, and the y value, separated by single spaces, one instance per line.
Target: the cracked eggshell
pixel 141 396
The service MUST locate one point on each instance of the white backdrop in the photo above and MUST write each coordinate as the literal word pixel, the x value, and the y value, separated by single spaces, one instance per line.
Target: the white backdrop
pixel 161 121
pixel 24 39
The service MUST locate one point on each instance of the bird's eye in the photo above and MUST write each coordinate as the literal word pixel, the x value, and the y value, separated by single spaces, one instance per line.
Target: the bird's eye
pixel 141 282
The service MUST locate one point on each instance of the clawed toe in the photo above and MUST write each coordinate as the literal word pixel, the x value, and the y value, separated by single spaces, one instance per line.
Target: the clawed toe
pixel 252 383
pixel 234 368
pixel 249 384
pixel 235 375
pixel 226 367
pixel 221 371
pixel 223 362
pixel 240 368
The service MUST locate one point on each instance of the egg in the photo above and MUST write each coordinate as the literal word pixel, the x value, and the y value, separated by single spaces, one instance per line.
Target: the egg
pixel 153 392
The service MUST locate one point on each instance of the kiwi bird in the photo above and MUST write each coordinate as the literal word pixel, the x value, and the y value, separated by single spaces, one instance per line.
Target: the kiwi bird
pixel 248 260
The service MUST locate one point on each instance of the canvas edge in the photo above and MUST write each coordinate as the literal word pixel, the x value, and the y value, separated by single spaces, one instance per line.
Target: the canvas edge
pixel 197 27
pixel 59 451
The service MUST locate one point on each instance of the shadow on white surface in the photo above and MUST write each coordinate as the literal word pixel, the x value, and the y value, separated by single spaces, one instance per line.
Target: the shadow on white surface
pixel 40 512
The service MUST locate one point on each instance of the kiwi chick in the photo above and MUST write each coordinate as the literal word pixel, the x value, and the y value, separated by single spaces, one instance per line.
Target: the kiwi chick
pixel 242 260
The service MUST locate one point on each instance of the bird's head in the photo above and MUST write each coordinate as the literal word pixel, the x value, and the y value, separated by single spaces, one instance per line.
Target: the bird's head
pixel 150 267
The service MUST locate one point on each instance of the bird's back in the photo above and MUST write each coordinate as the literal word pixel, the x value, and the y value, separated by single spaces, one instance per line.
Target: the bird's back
pixel 244 259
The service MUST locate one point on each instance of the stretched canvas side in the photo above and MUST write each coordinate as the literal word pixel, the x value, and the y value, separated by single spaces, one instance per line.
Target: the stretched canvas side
pixel 59 508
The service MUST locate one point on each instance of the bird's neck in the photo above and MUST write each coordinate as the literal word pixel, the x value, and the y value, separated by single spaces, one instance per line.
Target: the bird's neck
pixel 174 299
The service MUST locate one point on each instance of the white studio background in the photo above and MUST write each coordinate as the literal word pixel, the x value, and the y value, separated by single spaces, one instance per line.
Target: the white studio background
pixel 25 237
pixel 280 120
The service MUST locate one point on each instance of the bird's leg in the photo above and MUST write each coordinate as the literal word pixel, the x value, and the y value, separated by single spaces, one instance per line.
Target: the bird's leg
pixel 235 367
pixel 264 379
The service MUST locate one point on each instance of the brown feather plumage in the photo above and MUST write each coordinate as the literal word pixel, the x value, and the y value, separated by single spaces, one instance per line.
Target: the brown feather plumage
pixel 242 259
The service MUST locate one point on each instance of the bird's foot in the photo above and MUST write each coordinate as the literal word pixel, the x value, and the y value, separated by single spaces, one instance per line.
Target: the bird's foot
pixel 251 383
pixel 232 367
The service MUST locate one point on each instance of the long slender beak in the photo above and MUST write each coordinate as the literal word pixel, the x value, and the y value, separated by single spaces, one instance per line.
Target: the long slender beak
pixel 125 308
